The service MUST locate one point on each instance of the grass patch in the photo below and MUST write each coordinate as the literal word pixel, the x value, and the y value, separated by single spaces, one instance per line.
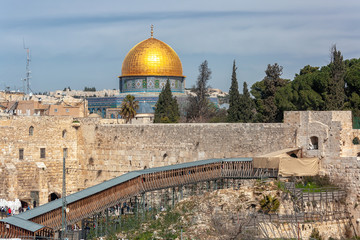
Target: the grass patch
pixel 316 184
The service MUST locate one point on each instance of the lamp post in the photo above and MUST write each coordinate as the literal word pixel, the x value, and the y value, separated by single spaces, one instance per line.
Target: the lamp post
pixel 63 212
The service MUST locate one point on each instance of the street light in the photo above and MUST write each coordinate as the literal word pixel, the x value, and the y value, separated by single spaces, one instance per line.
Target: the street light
pixel 63 211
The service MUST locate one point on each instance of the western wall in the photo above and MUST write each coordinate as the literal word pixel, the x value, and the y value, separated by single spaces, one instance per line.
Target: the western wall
pixel 98 150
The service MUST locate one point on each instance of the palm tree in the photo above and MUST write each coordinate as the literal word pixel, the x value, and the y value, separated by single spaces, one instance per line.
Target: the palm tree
pixel 269 204
pixel 128 108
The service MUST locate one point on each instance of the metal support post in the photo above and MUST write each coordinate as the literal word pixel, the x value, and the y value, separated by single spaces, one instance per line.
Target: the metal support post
pixel 101 225
pixel 96 225
pixel 143 206
pixel 181 192
pixel 173 197
pixel 120 214
pixel 106 220
pixel 136 207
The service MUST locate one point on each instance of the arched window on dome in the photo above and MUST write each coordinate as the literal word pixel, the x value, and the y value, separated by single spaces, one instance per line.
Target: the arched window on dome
pixel 31 131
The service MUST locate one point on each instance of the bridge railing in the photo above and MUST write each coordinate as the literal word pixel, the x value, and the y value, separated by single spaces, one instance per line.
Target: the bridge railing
pixel 183 176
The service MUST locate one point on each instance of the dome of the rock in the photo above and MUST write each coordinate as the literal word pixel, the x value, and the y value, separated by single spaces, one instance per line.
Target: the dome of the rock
pixel 151 57
pixel 148 66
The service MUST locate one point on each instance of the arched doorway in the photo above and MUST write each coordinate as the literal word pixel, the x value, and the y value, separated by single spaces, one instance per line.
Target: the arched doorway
pixel 53 196
pixel 314 142
pixel 24 204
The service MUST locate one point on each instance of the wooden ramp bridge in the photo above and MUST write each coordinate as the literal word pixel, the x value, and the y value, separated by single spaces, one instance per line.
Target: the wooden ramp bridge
pixel 45 220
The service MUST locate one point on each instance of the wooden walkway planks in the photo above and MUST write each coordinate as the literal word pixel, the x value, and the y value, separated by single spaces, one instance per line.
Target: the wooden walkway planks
pixel 147 182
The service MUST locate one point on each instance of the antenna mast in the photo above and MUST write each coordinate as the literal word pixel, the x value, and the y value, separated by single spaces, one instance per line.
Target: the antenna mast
pixel 27 78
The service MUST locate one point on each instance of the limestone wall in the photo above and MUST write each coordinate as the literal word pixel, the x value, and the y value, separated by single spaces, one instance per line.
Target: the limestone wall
pixel 98 151
pixel 20 177
pixel 333 130
pixel 132 147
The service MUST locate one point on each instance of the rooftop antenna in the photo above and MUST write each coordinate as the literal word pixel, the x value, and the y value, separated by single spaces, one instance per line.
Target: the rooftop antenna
pixel 27 78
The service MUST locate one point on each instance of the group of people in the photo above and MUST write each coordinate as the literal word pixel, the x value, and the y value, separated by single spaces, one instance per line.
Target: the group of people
pixel 7 211
pixel 9 208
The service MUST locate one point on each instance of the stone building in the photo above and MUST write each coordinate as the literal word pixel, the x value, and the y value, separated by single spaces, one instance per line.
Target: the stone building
pixel 6 96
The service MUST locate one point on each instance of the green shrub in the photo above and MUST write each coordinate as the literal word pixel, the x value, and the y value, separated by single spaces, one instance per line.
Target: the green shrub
pixel 144 236
pixel 317 181
pixel 315 234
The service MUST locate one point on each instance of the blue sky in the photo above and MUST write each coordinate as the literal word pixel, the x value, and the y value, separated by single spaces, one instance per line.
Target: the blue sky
pixel 80 43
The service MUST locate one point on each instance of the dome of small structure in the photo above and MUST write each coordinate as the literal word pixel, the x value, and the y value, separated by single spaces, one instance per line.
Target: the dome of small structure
pixel 151 57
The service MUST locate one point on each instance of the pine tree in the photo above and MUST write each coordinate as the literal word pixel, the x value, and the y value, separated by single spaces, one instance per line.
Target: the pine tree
pixel 167 109
pixel 272 82
pixel 234 98
pixel 336 88
pixel 246 106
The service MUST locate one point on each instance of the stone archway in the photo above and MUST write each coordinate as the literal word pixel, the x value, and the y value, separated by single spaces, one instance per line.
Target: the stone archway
pixel 53 196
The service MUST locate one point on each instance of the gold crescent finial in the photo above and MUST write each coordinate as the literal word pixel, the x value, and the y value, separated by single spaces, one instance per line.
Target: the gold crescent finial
pixel 152 31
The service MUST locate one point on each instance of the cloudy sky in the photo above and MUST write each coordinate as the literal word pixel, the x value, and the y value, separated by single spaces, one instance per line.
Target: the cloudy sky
pixel 80 43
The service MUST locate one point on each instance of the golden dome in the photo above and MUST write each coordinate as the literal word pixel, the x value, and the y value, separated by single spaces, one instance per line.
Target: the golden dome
pixel 151 57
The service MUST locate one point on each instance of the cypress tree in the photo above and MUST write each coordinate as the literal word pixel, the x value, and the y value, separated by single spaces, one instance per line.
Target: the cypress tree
pixel 234 114
pixel 199 107
pixel 246 106
pixel 166 109
pixel 336 88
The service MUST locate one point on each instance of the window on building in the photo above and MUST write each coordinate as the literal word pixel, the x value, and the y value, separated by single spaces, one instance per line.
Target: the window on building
pixel 112 116
pixel 67 110
pixel 314 143
pixel 21 153
pixel 42 152
pixel 356 141
pixel 55 110
pixel 64 133
pixel 31 131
